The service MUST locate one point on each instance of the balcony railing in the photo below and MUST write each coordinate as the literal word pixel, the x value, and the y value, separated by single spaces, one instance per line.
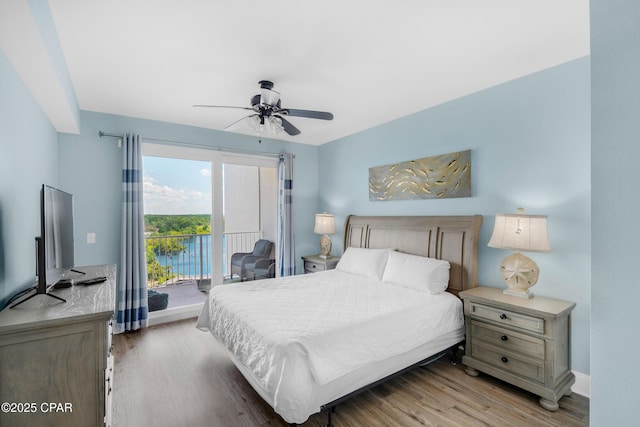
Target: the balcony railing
pixel 187 257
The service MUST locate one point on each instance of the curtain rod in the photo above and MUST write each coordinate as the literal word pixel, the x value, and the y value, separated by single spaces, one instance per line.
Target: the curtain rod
pixel 196 145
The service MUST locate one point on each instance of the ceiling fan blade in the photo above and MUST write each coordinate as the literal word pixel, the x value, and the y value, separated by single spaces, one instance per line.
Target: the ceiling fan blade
pixel 238 123
pixel 307 113
pixel 269 97
pixel 288 127
pixel 223 106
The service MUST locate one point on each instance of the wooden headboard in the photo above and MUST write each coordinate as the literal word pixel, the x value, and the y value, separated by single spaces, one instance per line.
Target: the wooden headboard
pixel 451 238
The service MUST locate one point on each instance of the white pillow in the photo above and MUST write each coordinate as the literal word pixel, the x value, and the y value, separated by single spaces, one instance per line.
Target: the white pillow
pixel 364 262
pixel 416 272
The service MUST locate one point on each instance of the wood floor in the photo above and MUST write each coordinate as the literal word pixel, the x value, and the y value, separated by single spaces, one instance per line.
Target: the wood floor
pixel 175 375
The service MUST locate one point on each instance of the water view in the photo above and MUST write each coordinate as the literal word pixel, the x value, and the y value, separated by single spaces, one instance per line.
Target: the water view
pixel 179 248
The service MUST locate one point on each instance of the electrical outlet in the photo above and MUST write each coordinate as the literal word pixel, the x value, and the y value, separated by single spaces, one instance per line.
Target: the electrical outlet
pixel 91 238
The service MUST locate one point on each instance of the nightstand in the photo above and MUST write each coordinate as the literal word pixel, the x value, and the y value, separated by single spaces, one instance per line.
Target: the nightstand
pixel 314 263
pixel 525 342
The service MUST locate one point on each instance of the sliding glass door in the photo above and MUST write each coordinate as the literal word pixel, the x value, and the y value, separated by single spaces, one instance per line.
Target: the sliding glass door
pixel 249 206
pixel 178 209
pixel 201 206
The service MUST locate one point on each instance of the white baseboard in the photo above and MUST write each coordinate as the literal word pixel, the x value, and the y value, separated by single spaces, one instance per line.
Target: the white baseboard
pixel 582 386
pixel 174 314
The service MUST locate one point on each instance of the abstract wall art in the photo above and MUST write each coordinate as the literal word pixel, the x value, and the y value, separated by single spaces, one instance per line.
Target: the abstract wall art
pixel 436 177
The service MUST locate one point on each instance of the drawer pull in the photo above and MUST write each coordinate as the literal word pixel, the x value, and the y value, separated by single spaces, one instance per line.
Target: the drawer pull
pixel 504 338
pixel 503 316
pixel 504 359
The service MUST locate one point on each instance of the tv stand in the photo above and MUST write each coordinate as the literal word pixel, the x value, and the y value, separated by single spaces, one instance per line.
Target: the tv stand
pixel 36 294
pixel 41 287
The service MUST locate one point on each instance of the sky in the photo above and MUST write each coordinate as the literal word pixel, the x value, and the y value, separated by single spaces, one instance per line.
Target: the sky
pixel 175 186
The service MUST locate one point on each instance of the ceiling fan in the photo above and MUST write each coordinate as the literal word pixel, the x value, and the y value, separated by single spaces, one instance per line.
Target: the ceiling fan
pixel 269 114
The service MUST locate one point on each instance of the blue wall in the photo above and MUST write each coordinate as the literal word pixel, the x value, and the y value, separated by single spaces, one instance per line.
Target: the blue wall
pixel 90 169
pixel 530 144
pixel 28 159
pixel 615 48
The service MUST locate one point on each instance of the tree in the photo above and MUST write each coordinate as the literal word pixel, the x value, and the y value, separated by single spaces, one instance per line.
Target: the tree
pixel 159 229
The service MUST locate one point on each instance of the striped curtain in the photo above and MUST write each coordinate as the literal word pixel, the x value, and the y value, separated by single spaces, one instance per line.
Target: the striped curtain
pixel 286 247
pixel 131 297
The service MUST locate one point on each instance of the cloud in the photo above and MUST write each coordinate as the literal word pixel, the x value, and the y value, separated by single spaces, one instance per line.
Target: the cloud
pixel 205 172
pixel 163 199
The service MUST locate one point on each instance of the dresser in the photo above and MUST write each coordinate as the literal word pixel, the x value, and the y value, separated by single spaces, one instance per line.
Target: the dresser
pixel 525 342
pixel 315 263
pixel 56 364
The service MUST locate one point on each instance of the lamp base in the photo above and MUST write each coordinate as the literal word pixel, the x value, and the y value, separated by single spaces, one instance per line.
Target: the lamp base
pixel 519 273
pixel 325 246
pixel 518 293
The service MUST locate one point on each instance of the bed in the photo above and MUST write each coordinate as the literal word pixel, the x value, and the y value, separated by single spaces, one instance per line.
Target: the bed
pixel 305 343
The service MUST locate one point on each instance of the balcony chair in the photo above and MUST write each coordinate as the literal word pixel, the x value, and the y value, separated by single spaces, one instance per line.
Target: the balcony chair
pixel 264 269
pixel 242 263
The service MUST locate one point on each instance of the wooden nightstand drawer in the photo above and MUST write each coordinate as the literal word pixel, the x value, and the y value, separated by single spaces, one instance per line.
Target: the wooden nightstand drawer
pixel 313 267
pixel 509 340
pixel 506 360
pixel 315 263
pixel 506 317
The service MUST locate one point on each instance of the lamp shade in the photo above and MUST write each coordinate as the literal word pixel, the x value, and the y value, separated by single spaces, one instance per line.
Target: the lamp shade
pixel 325 224
pixel 521 233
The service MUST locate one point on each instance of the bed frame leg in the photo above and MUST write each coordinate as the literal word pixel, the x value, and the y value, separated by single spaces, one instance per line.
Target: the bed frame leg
pixel 454 354
pixel 330 412
pixel 453 357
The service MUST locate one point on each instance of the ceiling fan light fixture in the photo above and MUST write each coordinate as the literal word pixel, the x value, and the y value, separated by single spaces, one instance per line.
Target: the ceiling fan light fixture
pixel 275 124
pixel 256 123
pixel 262 124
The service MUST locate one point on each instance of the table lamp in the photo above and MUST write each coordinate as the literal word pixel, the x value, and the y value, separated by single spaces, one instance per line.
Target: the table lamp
pixel 325 224
pixel 521 233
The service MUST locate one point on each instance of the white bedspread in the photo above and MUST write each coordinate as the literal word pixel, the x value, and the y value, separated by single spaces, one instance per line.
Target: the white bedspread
pixel 295 331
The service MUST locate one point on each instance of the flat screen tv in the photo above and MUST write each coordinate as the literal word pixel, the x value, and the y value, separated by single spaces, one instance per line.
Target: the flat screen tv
pixel 54 246
pixel 57 234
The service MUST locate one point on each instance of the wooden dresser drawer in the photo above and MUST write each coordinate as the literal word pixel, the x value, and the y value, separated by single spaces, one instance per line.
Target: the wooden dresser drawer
pixel 506 360
pixel 506 317
pixel 509 340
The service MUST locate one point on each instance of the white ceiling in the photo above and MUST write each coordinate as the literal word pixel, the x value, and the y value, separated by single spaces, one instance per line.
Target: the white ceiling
pixel 366 62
